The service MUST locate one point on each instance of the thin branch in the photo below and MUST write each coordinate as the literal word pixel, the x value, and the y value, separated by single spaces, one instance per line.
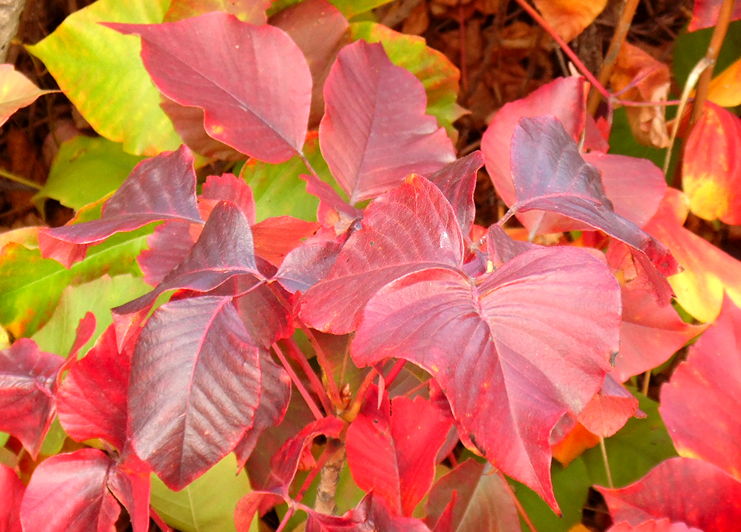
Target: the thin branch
pixel 394 371
pixel 618 38
pixel 565 47
pixel 351 412
pixel 328 481
pixel 20 180
pixel 607 464
pixel 304 393
pixel 284 522
pixel 296 354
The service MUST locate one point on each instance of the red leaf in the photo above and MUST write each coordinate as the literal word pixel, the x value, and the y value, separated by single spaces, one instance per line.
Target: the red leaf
pixel 701 404
pixel 130 483
pixel 27 381
pixel 375 131
pixel 711 166
pixel 160 188
pixel 410 228
pixel 304 22
pixel 706 13
pixel 167 247
pixel 694 492
pixel 308 264
pixel 502 248
pixel 513 352
pixel 228 188
pixel 661 525
pixel 394 455
pixel 265 315
pixel 276 237
pixel 370 514
pixel 91 401
pixel 223 251
pixel 479 499
pixel 10 503
pixel 457 182
pixel 252 103
pixel 69 493
pixel 549 174
pixel 609 409
pixel 194 387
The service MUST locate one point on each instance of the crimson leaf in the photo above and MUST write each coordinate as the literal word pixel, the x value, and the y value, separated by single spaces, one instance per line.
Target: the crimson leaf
pixel 457 182
pixel 10 503
pixel 252 102
pixel 375 131
pixel 194 387
pixel 160 188
pixel 370 514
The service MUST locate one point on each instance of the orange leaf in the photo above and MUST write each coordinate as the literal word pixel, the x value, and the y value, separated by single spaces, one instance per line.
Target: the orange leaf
pixel 570 17
pixel 725 89
pixel 711 171
pixel 16 91
pixel 707 269
pixel 574 444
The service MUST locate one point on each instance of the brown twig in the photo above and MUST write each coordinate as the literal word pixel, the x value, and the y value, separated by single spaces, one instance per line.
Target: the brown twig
pixel 329 479
pixel 618 38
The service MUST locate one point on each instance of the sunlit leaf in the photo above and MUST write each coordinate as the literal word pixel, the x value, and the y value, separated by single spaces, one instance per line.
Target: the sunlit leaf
pixel 16 91
pixel 570 17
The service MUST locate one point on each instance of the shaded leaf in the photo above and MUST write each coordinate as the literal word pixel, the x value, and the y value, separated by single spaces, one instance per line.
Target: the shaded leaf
pixel 16 91
pixel 694 492
pixel 374 131
pixel 478 497
pixel 506 399
pixel 167 247
pixel 307 265
pixel 10 504
pixel 245 10
pixel 570 17
pixel 161 188
pixel 410 228
pixel 700 404
pixel 351 8
pixel 711 167
pixel 384 458
pixel 251 103
pixel 438 74
pixel 457 182
pixel 265 312
pixel 27 381
pixel 199 350
pixel 69 493
pixel 119 102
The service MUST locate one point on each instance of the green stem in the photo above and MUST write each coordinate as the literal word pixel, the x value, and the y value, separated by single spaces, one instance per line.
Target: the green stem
pixel 19 179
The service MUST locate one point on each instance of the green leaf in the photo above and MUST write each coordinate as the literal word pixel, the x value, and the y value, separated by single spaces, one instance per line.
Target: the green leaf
pixel 439 76
pixel 634 451
pixel 206 505
pixel 85 170
pixel 689 48
pixel 4 438
pixel 101 72
pixel 279 191
pixel 30 286
pixel 99 297
pixel 54 439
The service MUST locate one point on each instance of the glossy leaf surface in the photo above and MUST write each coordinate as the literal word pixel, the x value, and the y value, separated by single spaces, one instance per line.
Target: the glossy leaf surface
pixel 194 387
pixel 505 398
pixel 375 131
pixel 708 383
pixel 252 103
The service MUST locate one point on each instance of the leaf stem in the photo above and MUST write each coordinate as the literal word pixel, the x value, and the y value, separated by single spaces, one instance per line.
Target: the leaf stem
pixel 646 381
pixel 517 503
pixel 618 38
pixel 296 354
pixel 607 463
pixel 308 166
pixel 20 180
pixel 394 371
pixel 304 393
pixel 565 47
pixel 284 522
pixel 352 411
pixel 328 451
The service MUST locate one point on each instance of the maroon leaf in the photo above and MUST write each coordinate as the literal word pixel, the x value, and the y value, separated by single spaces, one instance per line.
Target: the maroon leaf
pixel 224 250
pixel 691 491
pixel 252 103
pixel 473 497
pixel 550 175
pixel 457 182
pixel 370 514
pixel 69 493
pixel 609 410
pixel 194 387
pixel 307 265
pixel 701 404
pixel 502 247
pixel 160 188
pixel 265 314
pixel 304 22
pixel 276 237
pixel 410 228
pixel 130 483
pixel 27 381
pixel 228 188
pixel 513 352
pixel 10 503
pixel 276 393
pixel 375 131
pixel 91 401
pixel 384 458
pixel 167 247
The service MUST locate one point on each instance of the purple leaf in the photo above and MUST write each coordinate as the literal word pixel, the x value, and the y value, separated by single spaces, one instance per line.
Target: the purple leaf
pixel 375 131
pixel 69 493
pixel 410 228
pixel 457 182
pixel 194 387
pixel 265 315
pixel 224 250
pixel 513 352
pixel 307 265
pixel 550 175
pixel 252 102
pixel 160 188
pixel 27 381
pixel 228 188
pixel 167 247
pixel 503 248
